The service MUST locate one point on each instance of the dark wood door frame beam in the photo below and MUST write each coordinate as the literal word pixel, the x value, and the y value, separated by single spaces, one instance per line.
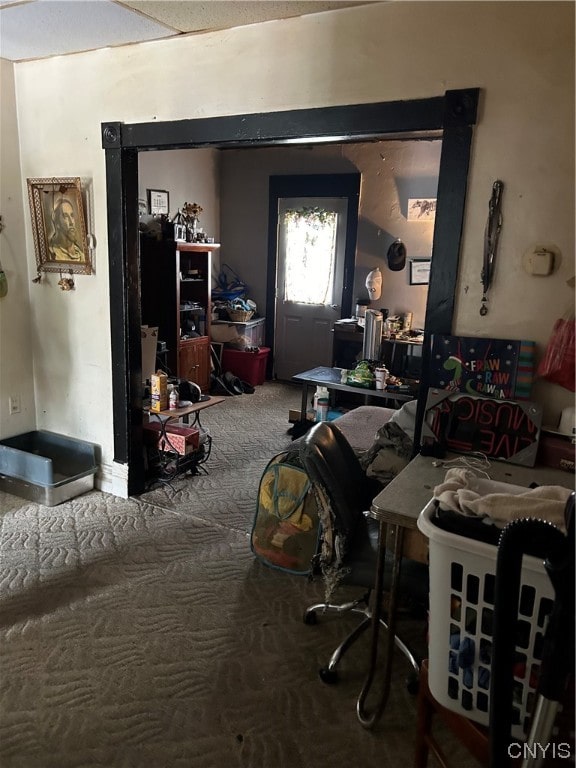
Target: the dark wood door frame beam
pixel 454 114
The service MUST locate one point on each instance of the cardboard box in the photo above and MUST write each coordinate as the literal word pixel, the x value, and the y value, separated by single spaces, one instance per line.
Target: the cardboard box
pixel 149 347
pixel 557 452
pixel 158 392
pixel 294 415
pixel 183 440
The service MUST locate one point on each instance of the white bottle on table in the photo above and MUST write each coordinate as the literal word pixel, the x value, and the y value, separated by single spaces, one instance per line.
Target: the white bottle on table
pixel 321 400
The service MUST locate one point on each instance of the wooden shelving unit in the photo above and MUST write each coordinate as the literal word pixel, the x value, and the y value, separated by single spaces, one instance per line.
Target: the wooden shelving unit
pixel 175 284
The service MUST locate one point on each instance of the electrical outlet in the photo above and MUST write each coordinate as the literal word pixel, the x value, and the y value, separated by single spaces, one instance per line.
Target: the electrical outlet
pixel 14 404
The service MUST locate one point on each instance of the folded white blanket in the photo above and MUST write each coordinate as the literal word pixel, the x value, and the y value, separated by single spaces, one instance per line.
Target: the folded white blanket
pixel 547 502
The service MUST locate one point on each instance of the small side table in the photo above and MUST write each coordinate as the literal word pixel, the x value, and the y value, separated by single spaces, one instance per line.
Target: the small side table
pixel 171 464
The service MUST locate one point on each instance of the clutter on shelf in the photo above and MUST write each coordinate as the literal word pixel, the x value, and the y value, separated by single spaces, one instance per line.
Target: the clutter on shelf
pixel 371 374
pixel 153 226
pixel 186 225
pixel 228 286
pixel 238 325
pixel 241 310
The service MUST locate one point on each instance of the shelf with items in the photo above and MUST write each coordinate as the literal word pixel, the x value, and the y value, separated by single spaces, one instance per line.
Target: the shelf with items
pixel 175 281
pixel 194 288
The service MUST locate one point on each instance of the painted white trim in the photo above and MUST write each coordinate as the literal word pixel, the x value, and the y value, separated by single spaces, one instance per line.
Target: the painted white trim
pixel 113 478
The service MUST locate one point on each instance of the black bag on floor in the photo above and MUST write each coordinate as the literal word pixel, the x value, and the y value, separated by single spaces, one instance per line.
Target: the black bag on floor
pixel 222 384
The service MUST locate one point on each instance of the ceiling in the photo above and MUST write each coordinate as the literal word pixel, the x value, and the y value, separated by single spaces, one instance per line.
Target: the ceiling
pixel 36 29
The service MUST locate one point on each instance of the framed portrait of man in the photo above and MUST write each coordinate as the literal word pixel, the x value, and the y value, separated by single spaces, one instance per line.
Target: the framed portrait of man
pixel 58 225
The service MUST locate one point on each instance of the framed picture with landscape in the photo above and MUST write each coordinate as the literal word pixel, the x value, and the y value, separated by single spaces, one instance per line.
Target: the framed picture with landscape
pixel 58 225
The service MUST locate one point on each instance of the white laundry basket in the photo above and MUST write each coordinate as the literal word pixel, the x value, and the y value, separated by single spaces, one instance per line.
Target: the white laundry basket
pixel 462 580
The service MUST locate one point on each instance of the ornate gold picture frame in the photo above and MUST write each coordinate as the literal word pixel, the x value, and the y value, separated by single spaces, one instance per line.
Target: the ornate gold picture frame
pixel 58 225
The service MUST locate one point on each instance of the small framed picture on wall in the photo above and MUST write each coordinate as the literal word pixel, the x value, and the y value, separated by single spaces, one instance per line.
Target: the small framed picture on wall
pixel 421 209
pixel 419 271
pixel 158 202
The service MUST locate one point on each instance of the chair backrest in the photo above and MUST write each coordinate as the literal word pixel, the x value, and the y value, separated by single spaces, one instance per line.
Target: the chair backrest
pixel 330 462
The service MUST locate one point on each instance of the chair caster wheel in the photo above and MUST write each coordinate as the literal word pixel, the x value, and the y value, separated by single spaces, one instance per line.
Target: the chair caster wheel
pixel 310 618
pixel 328 676
pixel 412 683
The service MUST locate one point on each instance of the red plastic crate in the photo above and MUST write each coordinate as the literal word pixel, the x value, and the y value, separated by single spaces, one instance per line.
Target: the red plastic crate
pixel 248 366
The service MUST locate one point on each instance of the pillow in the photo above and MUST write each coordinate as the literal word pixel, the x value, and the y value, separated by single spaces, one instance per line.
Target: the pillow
pixel 405 418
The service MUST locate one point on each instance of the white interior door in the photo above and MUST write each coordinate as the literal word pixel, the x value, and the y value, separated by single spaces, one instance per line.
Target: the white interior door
pixel 309 281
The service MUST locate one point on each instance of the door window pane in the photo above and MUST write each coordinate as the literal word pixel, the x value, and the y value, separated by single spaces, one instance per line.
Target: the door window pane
pixel 310 255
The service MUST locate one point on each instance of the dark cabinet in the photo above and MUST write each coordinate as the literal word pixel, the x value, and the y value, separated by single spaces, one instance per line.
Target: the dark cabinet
pixel 194 361
pixel 175 287
pixel 347 346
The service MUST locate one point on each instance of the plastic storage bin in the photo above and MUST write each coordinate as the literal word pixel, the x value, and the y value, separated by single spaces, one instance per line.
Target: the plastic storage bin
pixel 248 366
pixel 462 580
pixel 251 333
pixel 46 467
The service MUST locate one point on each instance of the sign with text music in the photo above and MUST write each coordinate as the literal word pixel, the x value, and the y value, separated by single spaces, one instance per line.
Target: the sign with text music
pixel 499 429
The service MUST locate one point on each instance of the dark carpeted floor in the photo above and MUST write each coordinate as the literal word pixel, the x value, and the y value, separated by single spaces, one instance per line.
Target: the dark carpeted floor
pixel 142 633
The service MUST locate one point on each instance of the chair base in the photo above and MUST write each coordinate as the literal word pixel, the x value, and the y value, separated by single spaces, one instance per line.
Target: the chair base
pixel 329 674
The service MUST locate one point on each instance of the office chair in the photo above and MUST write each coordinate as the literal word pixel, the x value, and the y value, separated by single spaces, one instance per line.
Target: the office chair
pixel 335 470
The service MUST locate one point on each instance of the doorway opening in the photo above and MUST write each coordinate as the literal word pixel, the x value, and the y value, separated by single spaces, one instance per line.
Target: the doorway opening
pixel 452 114
pixel 309 205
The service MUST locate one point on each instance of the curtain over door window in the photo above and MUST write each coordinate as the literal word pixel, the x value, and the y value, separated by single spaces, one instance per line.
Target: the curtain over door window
pixel 309 281
pixel 310 243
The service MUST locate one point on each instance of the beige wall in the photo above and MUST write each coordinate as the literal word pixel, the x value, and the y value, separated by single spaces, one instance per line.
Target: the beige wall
pixel 391 171
pixel 189 176
pixel 232 186
pixel 520 53
pixel 16 369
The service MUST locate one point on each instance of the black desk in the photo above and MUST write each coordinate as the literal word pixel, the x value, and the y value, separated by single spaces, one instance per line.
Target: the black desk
pixel 330 378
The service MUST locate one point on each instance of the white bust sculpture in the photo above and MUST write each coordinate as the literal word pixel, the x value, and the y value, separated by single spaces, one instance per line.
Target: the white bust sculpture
pixel 374 284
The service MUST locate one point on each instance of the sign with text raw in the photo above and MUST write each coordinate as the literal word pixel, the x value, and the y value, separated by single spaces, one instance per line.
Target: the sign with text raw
pixel 499 368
